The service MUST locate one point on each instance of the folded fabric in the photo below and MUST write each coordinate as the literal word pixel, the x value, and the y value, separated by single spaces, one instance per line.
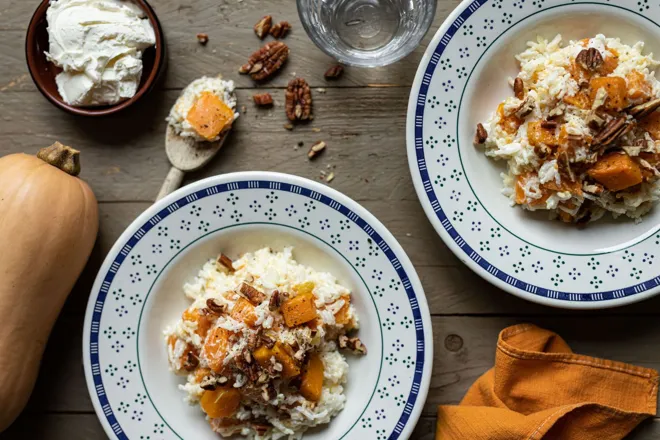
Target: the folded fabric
pixel 539 389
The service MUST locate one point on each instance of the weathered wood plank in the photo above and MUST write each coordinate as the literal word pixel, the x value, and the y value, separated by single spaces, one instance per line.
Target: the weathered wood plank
pixel 231 41
pixel 123 156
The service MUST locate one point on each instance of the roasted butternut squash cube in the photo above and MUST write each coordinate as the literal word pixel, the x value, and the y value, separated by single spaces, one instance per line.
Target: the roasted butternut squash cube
pixel 215 348
pixel 342 316
pixel 638 87
pixel 610 63
pixel 299 309
pixel 243 311
pixel 203 321
pixel 221 402
pixel 201 373
pixel 616 171
pixel 509 123
pixel 651 123
pixel 538 135
pixel 580 100
pixel 616 88
pixel 282 354
pixel 311 384
pixel 209 116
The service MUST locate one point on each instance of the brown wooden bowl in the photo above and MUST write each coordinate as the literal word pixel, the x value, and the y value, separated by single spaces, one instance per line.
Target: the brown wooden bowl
pixel 43 72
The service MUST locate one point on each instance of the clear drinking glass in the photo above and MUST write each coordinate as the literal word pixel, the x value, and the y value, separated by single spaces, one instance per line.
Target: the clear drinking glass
pixel 366 33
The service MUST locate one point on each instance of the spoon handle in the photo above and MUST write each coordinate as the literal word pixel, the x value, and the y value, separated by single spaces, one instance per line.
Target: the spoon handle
pixel 172 182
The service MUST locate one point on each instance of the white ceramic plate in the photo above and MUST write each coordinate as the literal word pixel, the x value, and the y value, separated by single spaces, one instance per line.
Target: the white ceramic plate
pixel 460 80
pixel 138 292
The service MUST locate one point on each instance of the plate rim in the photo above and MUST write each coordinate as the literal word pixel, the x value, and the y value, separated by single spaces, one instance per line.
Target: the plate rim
pixel 243 176
pixel 415 169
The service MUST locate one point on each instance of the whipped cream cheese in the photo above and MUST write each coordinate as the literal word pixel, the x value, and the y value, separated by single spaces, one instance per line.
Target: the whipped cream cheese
pixel 98 44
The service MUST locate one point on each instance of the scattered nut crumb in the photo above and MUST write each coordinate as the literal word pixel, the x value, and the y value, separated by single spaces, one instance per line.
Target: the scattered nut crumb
pixel 288 126
pixel 280 29
pixel 317 148
pixel 243 109
pixel 334 72
pixel 321 90
pixel 330 177
pixel 408 234
pixel 263 26
pixel 263 99
pixel 202 38
pixel 316 130
pixel 301 143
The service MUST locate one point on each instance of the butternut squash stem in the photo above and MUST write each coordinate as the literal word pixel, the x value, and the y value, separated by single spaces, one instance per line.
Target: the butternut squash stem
pixel 60 156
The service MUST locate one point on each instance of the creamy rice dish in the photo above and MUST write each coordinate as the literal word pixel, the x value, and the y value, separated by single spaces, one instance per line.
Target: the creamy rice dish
pixel 262 345
pixel 205 110
pixel 580 135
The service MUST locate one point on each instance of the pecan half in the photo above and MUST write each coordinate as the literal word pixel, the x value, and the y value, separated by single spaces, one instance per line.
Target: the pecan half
pixel 263 26
pixel 298 100
pixel 519 88
pixel 252 294
pixel 481 135
pixel 316 149
pixel 643 110
pixel 334 72
pixel 215 307
pixel 225 262
pixel 266 61
pixel 611 132
pixel 263 99
pixel 280 29
pixel 589 59
pixel 202 38
pixel 353 344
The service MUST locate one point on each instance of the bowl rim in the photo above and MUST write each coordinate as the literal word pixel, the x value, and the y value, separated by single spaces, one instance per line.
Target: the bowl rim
pixel 247 176
pixel 432 209
pixel 56 99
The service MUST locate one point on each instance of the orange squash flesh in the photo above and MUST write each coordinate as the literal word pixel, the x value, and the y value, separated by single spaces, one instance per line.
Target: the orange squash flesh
pixel 215 348
pixel 538 135
pixel 616 171
pixel 616 88
pixel 299 309
pixel 243 310
pixel 311 384
pixel 341 317
pixel 203 321
pixel 221 402
pixel 638 87
pixel 210 116
pixel 289 366
pixel 651 123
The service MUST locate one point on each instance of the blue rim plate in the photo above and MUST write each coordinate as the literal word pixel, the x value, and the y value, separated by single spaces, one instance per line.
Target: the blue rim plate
pixel 385 394
pixel 460 80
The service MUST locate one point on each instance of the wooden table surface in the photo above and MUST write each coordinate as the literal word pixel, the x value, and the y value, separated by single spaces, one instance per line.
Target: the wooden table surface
pixel 362 119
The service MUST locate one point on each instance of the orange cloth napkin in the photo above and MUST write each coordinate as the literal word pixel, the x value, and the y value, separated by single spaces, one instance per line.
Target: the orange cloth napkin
pixel 539 389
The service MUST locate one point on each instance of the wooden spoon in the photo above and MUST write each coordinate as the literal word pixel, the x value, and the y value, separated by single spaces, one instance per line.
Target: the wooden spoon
pixel 185 155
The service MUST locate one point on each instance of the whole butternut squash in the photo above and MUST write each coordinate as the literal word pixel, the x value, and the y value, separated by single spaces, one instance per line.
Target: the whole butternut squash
pixel 48 226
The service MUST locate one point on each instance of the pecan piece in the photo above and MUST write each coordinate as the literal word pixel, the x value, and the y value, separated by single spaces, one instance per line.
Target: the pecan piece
pixel 643 110
pixel 353 344
pixel 525 108
pixel 190 362
pixel 263 26
pixel 252 294
pixel 298 100
pixel 550 125
pixel 215 307
pixel 225 262
pixel 519 88
pixel 589 59
pixel 268 392
pixel 280 29
pixel 334 72
pixel 316 149
pixel 266 61
pixel 276 300
pixel 263 99
pixel 481 135
pixel 612 131
pixel 260 429
pixel 202 38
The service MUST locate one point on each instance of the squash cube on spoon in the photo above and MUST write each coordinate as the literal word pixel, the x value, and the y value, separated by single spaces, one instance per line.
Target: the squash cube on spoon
pixel 209 116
